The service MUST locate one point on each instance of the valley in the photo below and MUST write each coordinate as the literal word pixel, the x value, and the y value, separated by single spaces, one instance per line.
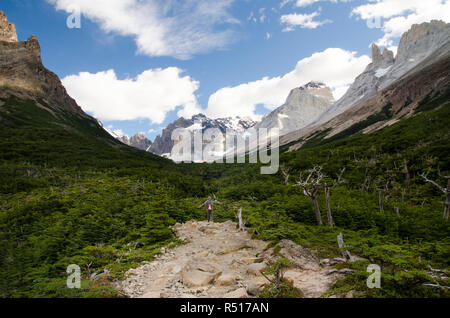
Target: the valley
pixel 371 168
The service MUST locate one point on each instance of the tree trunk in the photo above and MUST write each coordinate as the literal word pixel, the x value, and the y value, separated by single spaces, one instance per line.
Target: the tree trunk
pixel 380 200
pixel 407 175
pixel 241 223
pixel 345 253
pixel 397 211
pixel 327 197
pixel 447 200
pixel 317 210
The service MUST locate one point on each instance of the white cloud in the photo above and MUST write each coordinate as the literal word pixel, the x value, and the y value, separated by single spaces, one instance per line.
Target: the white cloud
pixel 302 20
pixel 305 3
pixel 162 28
pixel 335 67
pixel 268 36
pixel 151 95
pixel 397 16
pixel 262 15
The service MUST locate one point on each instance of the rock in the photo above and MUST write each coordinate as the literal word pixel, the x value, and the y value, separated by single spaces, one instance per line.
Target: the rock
pixel 234 247
pixel 199 273
pixel 254 287
pixel 176 269
pixel 332 271
pixel 300 257
pixel 226 279
pixel 7 29
pixel 197 278
pixel 256 269
pixel 239 293
pixel 325 261
pixel 252 260
pixel 337 260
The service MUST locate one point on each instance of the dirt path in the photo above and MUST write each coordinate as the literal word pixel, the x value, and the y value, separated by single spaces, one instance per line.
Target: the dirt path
pixel 222 262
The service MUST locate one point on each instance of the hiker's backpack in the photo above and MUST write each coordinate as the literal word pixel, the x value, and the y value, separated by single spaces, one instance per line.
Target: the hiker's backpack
pixel 209 206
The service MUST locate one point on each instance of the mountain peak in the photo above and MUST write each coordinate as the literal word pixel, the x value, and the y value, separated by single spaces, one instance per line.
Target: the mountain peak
pixel 312 85
pixel 381 59
pixel 317 89
pixel 7 29
pixel 422 39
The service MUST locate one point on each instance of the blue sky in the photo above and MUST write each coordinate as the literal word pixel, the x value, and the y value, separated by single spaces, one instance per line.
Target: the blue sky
pixel 226 58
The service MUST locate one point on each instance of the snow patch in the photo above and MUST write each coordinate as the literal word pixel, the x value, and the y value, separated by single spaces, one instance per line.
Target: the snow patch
pixel 196 126
pixel 382 71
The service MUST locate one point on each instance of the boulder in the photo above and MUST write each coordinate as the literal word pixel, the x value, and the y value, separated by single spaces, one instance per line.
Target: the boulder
pixel 226 279
pixel 199 273
pixel 254 287
pixel 234 247
pixel 300 257
pixel 256 268
pixel 239 293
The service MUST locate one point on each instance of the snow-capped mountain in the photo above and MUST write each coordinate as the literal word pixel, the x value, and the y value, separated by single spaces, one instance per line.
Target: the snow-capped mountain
pixel 163 143
pixel 303 105
pixel 416 45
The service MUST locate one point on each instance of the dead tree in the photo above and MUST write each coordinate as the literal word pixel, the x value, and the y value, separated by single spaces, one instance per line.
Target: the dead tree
pixel 328 187
pixel 285 171
pixel 345 253
pixel 382 190
pixel 311 187
pixel 239 217
pixel 366 184
pixel 446 190
pixel 406 172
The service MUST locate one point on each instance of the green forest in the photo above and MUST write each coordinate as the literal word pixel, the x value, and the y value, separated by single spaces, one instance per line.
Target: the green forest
pixel 72 194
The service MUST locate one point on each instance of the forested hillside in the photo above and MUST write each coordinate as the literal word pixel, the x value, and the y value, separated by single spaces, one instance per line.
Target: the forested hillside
pixel 72 194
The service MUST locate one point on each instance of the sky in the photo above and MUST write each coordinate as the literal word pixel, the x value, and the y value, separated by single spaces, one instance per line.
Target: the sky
pixel 137 65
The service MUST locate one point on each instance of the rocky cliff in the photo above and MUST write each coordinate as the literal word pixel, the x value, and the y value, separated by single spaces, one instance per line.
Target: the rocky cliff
pixel 415 46
pixel 23 74
pixel 137 141
pixel 428 81
pixel 303 105
pixel 7 29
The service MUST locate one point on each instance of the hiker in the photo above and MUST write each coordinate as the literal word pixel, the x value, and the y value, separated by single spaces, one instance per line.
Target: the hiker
pixel 209 207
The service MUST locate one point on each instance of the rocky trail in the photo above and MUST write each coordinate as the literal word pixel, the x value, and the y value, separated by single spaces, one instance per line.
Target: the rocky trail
pixel 220 261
